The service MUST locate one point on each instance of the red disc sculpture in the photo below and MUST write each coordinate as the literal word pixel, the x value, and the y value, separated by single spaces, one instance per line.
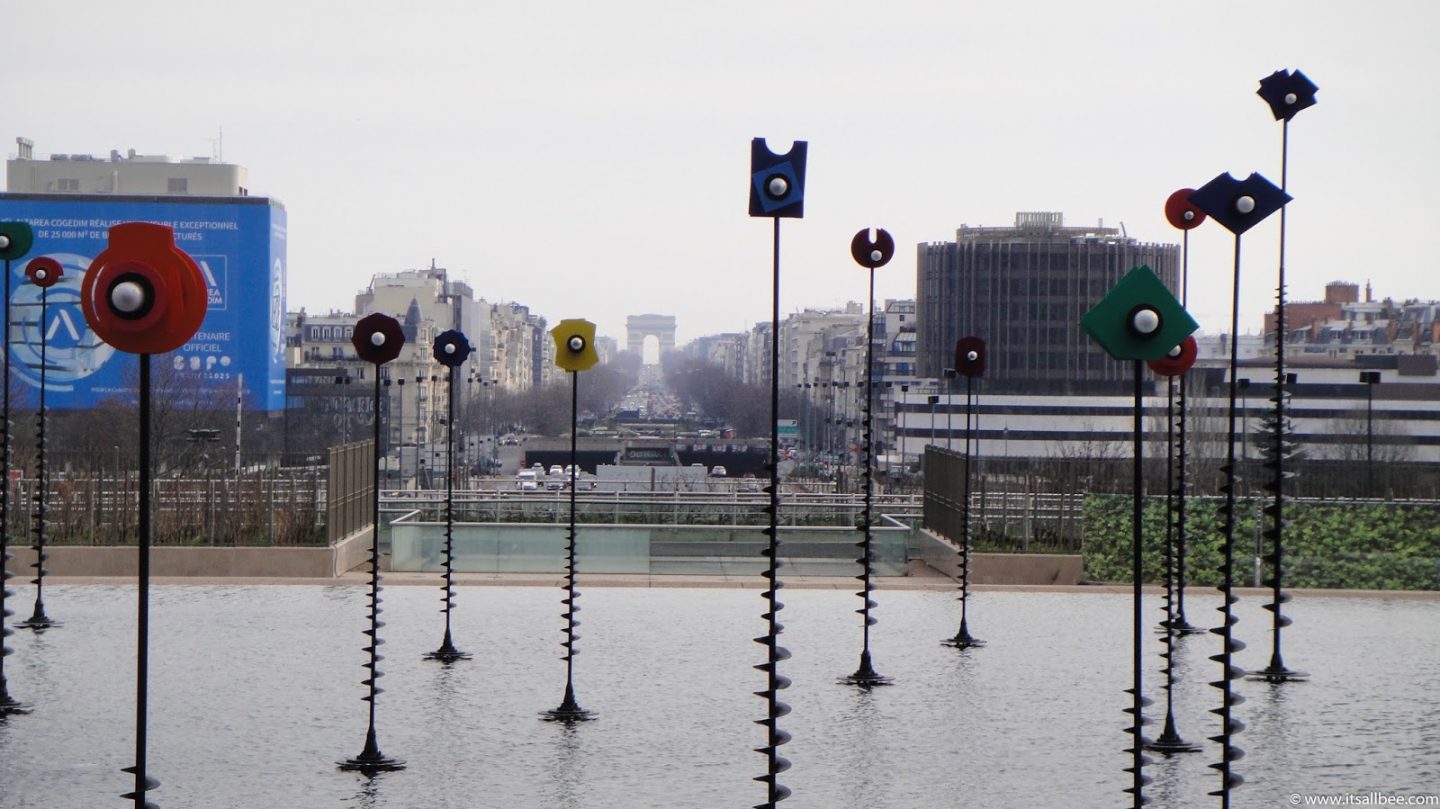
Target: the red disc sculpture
pixel 143 294
pixel 1178 361
pixel 44 272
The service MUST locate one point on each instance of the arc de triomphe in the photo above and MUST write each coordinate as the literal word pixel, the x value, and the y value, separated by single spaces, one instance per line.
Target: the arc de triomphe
pixel 638 327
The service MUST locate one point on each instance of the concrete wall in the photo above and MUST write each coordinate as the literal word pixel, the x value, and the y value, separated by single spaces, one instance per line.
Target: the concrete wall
pixel 123 561
pixel 998 568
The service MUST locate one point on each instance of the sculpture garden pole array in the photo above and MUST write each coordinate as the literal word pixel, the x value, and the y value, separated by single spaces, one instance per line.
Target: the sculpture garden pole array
pixel 15 241
pixel 451 350
pixel 1287 93
pixel 777 191
pixel 143 295
pixel 970 363
pixel 43 272
pixel 870 254
pixel 574 352
pixel 377 340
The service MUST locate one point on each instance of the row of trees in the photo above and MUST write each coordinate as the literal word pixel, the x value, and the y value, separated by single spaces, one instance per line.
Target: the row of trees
pixel 719 397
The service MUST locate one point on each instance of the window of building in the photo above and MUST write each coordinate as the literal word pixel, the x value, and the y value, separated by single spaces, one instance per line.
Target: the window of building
pixel 67 184
pixel 177 185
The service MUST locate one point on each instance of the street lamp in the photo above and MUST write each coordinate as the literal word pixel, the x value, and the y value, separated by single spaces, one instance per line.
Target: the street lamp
pixel 1244 385
pixel 1370 380
pixel 949 405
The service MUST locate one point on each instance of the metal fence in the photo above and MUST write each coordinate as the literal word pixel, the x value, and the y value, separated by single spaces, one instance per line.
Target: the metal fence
pixel 263 507
pixel 1008 512
pixel 647 508
pixel 349 490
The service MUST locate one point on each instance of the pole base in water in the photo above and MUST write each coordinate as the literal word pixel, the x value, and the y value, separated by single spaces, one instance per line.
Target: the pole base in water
pixel 1170 743
pixel 9 706
pixel 866 676
pixel 1277 674
pixel 963 640
pixel 569 710
pixel 371 760
pixel 564 714
pixel 39 622
pixel 447 653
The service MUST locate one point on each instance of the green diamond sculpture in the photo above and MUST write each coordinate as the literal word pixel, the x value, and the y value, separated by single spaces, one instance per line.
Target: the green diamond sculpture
pixel 1139 319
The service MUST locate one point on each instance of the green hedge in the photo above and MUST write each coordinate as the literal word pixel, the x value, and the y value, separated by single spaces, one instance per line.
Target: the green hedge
pixel 1363 546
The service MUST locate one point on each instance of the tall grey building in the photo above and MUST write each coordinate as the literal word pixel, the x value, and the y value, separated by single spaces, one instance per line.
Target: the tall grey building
pixel 1023 290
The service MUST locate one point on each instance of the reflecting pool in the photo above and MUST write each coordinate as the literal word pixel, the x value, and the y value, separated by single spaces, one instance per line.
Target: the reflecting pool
pixel 255 693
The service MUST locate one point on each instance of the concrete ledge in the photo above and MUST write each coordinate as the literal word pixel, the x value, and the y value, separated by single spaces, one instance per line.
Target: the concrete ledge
pixel 1016 568
pixel 998 568
pixel 192 562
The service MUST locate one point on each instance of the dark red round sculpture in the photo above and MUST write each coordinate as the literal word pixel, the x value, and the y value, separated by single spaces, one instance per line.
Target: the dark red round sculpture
pixel 1181 212
pixel 1178 361
pixel 44 271
pixel 143 294
pixel 378 338
pixel 872 254
pixel 970 356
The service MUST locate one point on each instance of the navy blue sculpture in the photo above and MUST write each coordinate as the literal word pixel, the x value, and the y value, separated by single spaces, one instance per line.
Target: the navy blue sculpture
pixel 1287 93
pixel 451 349
pixel 777 190
pixel 870 254
pixel 377 340
pixel 969 363
pixel 777 182
pixel 1238 206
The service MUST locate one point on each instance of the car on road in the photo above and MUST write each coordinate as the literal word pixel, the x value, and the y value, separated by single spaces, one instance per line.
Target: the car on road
pixel 718 472
pixel 527 480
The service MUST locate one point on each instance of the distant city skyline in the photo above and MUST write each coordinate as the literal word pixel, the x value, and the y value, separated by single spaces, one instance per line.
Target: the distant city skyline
pixel 594 163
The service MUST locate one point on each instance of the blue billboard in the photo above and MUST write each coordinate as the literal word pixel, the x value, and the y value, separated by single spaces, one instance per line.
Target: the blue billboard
pixel 239 244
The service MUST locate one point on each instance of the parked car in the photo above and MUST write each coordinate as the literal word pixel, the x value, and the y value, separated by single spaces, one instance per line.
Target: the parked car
pixel 718 472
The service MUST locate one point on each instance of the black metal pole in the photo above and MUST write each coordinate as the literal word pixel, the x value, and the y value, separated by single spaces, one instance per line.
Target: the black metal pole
pixel 8 704
pixel 963 639
pixel 1170 740
pixel 865 675
pixel 570 710
pixel 1138 742
pixel 775 653
pixel 143 783
pixel 1182 626
pixel 371 760
pixel 1229 726
pixel 447 653
pixel 1276 672
pixel 38 620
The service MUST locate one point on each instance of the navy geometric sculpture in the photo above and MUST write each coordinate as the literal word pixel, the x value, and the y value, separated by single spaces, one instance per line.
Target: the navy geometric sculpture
pixel 777 182
pixel 1287 93
pixel 1239 205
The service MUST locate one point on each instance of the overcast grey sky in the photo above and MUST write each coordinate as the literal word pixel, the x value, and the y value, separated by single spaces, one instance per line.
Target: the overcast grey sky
pixel 591 159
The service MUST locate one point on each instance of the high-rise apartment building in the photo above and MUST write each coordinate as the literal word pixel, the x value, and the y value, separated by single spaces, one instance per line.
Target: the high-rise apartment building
pixel 1023 289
